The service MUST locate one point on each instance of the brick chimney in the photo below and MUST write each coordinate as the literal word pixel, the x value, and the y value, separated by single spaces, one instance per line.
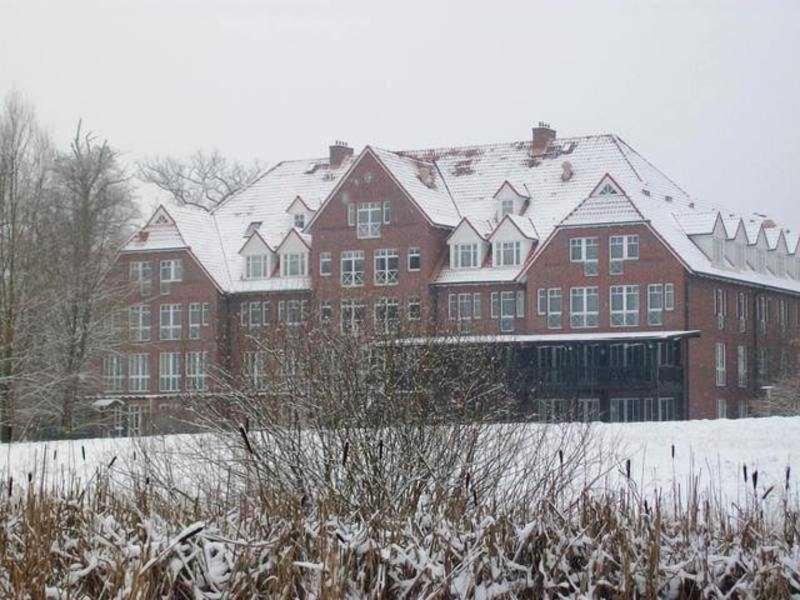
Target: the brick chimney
pixel 339 152
pixel 541 137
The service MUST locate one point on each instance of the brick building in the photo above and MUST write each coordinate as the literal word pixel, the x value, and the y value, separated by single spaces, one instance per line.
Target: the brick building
pixel 620 295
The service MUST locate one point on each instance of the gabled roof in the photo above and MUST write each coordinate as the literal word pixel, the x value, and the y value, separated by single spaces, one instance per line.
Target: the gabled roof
pixel 465 222
pixel 304 238
pixel 603 210
pixel 509 186
pixel 732 225
pixel 522 224
pixel 774 238
pixel 698 223
pixel 299 200
pixel 255 237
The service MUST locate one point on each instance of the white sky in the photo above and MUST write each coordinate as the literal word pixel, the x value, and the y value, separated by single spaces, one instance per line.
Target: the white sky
pixel 709 92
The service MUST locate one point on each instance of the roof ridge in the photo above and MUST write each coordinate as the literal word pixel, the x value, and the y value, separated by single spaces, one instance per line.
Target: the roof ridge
pixel 524 143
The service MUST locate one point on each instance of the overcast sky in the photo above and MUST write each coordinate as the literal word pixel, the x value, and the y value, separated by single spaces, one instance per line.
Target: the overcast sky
pixel 708 92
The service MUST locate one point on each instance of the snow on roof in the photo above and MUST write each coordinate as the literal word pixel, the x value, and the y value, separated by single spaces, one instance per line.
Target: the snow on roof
pixel 480 275
pixel 554 338
pixel 525 226
pixel 449 184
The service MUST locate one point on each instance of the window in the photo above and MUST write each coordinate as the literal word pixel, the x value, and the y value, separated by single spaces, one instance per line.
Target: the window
pixel 325 264
pixel 762 364
pixel 607 190
pixel 171 270
pixel 300 221
pixel 139 323
pixel 741 362
pixel 169 371
pixel 257 266
pixel 113 373
pixel 541 301
pixel 669 296
pixel 196 371
pixel 351 215
pixel 520 304
pixel 506 208
pixel 722 408
pixel 624 305
pixel 628 410
pixel 741 311
pixel 170 322
pixel 325 311
pixel 352 268
pixel 369 218
pixel 720 307
pixel 507 254
pixel 352 315
pixel 139 372
pixel 387 314
pixel 387 212
pixel 387 265
pixel 720 364
pixel 507 311
pixel 584 307
pixel 761 314
pixel 655 304
pixel 466 256
pixel 584 250
pixel 783 315
pixel 414 309
pixel 266 312
pixel 554 308
pixel 622 248
pixel 255 314
pixel 254 369
pixel 141 273
pixel 464 307
pixel 292 312
pixel 195 318
pixel 206 314
pixel 414 258
pixel 294 264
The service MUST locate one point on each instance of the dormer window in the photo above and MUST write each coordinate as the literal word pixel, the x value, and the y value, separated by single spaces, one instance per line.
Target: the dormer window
pixel 257 266
pixel 293 265
pixel 607 190
pixel 506 207
pixel 762 260
pixel 252 228
pixel 465 256
pixel 719 251
pixel 507 254
pixel 300 221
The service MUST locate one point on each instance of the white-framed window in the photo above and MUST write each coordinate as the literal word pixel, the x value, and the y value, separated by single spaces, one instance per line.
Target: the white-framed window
pixel 520 304
pixel 622 248
pixel 464 306
pixel 720 307
pixel 325 311
pixel 507 253
pixel 169 322
pixel 741 311
pixel 721 375
pixel 300 221
pixel 722 408
pixel 585 251
pixel 741 363
pixel 141 273
pixel 294 264
pixel 414 309
pixel 634 410
pixel 762 310
pixel 114 373
pixel 414 259
pixel 171 270
pixel 506 207
pixel 138 372
pixel 584 308
pixel 387 266
pixel 466 256
pixel 655 304
pixel 669 297
pixel 257 266
pixel 369 217
pixel 352 268
pixel 139 323
pixel 541 301
pixel 292 312
pixel 508 311
pixel 352 315
pixel 554 308
pixel 762 364
pixel 255 314
pixel 206 316
pixel 607 190
pixel 387 212
pixel 254 368
pixel 195 320
pixel 624 305
pixel 386 314
pixel 196 371
pixel 325 264
pixel 169 371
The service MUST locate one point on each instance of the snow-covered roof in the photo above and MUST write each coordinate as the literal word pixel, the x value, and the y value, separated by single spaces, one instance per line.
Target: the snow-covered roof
pixel 479 275
pixel 450 184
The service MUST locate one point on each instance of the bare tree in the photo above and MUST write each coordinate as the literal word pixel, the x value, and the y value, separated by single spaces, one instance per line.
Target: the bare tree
pixel 25 161
pixel 202 179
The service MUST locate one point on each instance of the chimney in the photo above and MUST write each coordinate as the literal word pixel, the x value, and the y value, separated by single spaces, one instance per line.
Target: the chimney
pixel 339 152
pixel 541 138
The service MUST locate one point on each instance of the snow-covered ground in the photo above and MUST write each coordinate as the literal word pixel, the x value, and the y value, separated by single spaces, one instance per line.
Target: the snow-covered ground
pixel 712 453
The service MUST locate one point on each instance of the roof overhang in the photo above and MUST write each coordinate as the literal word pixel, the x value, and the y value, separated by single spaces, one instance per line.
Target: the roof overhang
pixel 554 338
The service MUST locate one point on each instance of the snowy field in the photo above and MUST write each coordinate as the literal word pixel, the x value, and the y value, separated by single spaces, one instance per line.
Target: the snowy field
pixel 712 453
